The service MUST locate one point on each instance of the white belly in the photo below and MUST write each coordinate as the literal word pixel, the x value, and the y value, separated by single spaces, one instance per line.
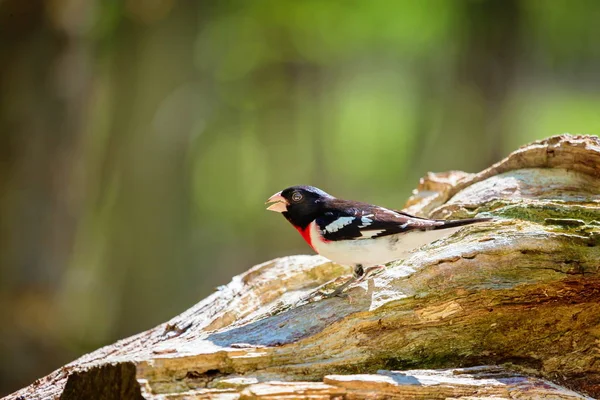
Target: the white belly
pixel 377 251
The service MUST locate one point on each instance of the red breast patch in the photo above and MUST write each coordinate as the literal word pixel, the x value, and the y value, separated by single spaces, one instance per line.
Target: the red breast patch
pixel 305 234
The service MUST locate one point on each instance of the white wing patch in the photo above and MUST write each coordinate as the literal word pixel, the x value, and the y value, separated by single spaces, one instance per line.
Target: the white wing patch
pixel 339 224
pixel 366 221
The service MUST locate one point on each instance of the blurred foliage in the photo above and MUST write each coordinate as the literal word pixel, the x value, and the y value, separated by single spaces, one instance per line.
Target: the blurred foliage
pixel 139 139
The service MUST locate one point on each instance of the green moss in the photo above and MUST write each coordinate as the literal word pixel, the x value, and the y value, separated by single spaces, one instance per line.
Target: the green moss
pixel 540 212
pixel 543 212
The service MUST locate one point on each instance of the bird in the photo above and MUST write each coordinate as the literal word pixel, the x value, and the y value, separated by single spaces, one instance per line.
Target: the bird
pixel 357 234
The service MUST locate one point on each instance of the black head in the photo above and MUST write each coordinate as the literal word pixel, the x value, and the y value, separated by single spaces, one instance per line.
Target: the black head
pixel 299 204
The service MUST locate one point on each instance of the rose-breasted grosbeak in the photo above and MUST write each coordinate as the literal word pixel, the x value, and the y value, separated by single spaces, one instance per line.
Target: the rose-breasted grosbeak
pixel 354 233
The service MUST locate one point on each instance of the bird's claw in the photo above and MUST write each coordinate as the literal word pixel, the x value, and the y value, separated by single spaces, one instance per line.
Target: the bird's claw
pixel 319 292
pixel 371 272
pixel 324 295
pixel 335 293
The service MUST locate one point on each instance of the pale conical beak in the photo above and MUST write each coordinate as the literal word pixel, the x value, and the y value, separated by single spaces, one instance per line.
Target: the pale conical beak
pixel 279 203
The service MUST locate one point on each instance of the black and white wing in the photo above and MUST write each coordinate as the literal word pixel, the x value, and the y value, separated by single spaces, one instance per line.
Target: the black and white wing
pixel 347 220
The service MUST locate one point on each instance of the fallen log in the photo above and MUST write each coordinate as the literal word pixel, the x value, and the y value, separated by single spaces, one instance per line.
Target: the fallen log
pixel 505 309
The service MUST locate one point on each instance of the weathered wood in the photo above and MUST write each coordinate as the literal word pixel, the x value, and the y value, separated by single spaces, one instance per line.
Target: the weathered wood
pixel 522 292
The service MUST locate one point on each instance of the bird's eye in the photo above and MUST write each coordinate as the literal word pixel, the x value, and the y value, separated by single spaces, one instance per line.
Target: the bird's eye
pixel 297 196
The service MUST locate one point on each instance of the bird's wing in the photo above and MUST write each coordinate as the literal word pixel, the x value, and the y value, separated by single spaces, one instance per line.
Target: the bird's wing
pixel 346 220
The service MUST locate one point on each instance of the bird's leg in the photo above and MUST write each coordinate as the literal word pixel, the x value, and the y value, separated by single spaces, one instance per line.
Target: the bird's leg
pixel 367 272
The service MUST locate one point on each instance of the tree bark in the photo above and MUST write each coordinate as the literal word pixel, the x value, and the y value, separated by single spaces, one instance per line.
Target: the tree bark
pixel 499 309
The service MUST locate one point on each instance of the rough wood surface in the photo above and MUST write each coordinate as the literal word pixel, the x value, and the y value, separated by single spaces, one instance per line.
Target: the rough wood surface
pixel 522 292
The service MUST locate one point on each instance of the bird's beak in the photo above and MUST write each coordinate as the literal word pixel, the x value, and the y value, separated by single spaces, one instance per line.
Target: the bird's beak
pixel 279 203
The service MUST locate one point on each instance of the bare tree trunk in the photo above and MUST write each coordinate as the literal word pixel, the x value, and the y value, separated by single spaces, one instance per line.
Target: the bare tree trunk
pixel 517 299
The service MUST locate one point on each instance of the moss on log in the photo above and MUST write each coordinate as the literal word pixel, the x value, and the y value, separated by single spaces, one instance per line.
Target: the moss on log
pixel 520 295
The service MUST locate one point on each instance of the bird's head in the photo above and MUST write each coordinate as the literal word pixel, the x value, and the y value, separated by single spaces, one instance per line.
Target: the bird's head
pixel 299 204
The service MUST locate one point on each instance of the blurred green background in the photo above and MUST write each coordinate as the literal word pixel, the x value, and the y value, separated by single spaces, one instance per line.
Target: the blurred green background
pixel 139 139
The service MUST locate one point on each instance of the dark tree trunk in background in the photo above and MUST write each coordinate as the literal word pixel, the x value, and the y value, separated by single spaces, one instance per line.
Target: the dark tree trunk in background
pixel 94 173
pixel 44 84
pixel 488 65
pixel 146 162
pixel 474 106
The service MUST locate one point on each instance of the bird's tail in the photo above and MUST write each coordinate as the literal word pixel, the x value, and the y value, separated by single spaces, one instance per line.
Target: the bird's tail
pixel 460 222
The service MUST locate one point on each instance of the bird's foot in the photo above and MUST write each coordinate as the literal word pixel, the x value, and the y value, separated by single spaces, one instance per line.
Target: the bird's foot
pixel 366 274
pixel 369 272
pixel 338 291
